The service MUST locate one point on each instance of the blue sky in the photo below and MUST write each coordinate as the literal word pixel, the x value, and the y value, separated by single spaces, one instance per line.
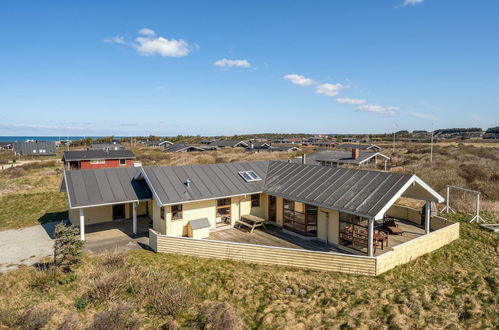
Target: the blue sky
pixel 227 67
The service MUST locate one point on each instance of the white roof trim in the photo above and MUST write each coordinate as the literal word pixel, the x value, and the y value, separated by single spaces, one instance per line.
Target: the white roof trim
pixel 374 155
pixel 143 174
pixel 399 193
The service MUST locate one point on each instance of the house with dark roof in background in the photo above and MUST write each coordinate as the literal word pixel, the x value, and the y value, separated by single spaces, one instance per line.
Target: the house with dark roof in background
pixel 336 158
pixel 92 159
pixel 182 147
pixel 363 147
pixel 228 144
pixel 333 210
pixel 106 146
pixel 38 148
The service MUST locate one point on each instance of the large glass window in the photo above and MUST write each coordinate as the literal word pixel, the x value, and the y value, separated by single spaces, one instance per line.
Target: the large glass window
pixel 300 217
pixel 223 208
pixel 353 231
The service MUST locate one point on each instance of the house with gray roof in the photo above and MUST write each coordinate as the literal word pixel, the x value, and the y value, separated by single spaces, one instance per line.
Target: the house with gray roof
pixel 92 159
pixel 182 147
pixel 363 147
pixel 340 208
pixel 336 158
pixel 228 144
pixel 35 148
pixel 106 146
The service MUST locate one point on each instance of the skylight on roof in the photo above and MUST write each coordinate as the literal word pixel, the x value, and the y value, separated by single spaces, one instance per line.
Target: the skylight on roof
pixel 249 176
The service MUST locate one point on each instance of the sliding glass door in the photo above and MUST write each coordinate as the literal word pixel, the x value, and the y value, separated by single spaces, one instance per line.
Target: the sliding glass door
pixel 300 217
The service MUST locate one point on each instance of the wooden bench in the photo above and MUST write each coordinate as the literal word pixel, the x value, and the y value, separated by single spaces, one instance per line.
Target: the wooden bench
pixel 251 222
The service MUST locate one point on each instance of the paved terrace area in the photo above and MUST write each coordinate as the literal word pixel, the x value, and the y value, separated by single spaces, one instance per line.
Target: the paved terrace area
pixel 273 236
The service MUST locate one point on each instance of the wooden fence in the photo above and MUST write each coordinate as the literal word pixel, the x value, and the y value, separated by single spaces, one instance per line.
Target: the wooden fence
pixel 263 254
pixel 324 261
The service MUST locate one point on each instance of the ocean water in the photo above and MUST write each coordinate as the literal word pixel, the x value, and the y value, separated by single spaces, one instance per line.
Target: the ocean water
pixel 45 138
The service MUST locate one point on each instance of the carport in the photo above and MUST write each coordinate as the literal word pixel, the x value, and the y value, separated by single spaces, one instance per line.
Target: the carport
pixel 104 196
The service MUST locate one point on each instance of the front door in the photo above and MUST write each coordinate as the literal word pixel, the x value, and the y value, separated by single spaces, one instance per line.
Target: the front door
pixel 272 208
pixel 118 211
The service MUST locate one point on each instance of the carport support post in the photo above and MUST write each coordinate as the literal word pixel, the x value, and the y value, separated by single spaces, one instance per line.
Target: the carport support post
pixel 427 217
pixel 134 218
pixel 82 225
pixel 370 236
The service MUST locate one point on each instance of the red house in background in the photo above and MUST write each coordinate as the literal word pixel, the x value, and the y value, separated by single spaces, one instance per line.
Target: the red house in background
pixel 91 159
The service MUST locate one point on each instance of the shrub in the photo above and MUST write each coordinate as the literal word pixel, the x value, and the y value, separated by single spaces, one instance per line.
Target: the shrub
pixel 114 260
pixel 34 318
pixel 44 278
pixel 106 287
pixel 472 172
pixel 165 295
pixel 119 316
pixel 71 322
pixel 68 248
pixel 221 315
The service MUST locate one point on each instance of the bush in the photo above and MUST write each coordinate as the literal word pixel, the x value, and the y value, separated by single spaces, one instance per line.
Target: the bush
pixel 35 318
pixel 165 295
pixel 221 315
pixel 119 316
pixel 68 248
pixel 44 278
pixel 71 322
pixel 472 172
pixel 114 260
pixel 106 287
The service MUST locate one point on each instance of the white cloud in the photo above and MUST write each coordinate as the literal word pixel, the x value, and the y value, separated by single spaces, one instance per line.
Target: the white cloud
pixel 147 44
pixel 411 2
pixel 116 40
pixel 329 89
pixel 232 63
pixel 147 32
pixel 347 100
pixel 378 109
pixel 299 80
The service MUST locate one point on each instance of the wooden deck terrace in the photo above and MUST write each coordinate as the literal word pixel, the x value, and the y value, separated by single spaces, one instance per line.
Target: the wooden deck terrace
pixel 274 236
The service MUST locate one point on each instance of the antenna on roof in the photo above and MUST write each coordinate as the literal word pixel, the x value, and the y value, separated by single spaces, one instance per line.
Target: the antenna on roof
pixel 187 182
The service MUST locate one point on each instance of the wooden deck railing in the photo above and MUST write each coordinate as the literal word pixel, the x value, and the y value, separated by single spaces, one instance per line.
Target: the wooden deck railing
pixel 324 261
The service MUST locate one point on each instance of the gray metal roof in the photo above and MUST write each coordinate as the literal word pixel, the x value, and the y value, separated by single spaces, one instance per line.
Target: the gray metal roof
pixel 76 155
pixel 106 145
pixel 360 192
pixel 199 223
pixel 104 186
pixel 28 148
pixel 340 156
pixel 228 143
pixel 179 147
pixel 207 181
pixel 358 146
pixel 350 190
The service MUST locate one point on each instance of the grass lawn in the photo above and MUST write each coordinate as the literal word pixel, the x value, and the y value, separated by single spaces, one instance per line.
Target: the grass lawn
pixel 23 210
pixel 454 287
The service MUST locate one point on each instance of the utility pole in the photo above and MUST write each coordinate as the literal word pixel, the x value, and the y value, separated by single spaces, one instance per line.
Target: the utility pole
pixel 431 147
pixel 393 149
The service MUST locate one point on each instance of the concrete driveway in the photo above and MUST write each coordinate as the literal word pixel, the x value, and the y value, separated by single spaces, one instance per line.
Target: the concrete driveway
pixel 25 246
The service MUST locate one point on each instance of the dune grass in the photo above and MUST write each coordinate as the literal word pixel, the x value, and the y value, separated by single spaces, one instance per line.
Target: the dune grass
pixel 453 287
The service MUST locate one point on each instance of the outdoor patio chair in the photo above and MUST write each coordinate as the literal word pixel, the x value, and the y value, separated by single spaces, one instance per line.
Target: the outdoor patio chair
pixel 392 227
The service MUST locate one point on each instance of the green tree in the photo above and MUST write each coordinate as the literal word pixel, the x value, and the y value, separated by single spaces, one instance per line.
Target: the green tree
pixel 68 249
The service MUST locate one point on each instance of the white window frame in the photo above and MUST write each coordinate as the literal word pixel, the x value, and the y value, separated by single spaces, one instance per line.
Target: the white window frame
pixel 251 174
pixel 97 161
pixel 124 162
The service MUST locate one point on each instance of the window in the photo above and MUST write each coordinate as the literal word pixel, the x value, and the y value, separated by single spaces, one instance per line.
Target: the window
pixel 98 161
pixel 249 176
pixel 223 208
pixel 300 217
pixel 34 151
pixel 122 162
pixel 162 213
pixel 255 200
pixel 353 231
pixel 177 212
